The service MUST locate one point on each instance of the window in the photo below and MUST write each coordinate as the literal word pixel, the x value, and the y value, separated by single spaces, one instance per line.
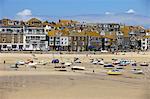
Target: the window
pixel 4 40
pixel 20 46
pixel 27 46
pixel 3 30
pixel 74 38
pixel 14 46
pixel 57 37
pixel 4 46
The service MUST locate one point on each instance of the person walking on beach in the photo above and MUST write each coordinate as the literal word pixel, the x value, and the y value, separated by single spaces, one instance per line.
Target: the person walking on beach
pixel 4 61
pixel 93 71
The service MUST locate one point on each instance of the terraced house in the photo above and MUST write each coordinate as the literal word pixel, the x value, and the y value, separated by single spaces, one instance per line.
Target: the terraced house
pixel 11 38
pixel 69 35
pixel 59 40
pixel 35 38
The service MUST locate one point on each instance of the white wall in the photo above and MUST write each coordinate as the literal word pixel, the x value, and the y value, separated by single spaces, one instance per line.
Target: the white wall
pixel 64 41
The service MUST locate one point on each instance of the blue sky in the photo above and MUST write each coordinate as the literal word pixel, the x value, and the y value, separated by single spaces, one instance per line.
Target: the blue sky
pixel 10 8
pixel 132 12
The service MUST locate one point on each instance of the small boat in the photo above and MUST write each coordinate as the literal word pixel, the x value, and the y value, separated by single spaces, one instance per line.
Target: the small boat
pixel 32 65
pixel 95 61
pixel 144 64
pixel 119 67
pixel 14 66
pixel 137 71
pixel 55 61
pixel 116 62
pixel 101 62
pixel 104 51
pixel 124 62
pixel 29 61
pixel 108 66
pixel 114 72
pixel 98 62
pixel 59 67
pixel 77 60
pixel 133 64
pixel 20 62
pixel 42 62
pixel 67 64
pixel 78 68
pixel 114 59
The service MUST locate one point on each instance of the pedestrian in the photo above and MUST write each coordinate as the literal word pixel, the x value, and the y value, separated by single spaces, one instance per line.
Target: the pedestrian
pixel 93 71
pixel 4 61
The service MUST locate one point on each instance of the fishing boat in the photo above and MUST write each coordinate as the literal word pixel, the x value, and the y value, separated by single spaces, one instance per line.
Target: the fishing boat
pixel 55 61
pixel 32 65
pixel 78 68
pixel 98 62
pixel 67 64
pixel 116 62
pixel 137 71
pixel 95 61
pixel 77 60
pixel 109 66
pixel 42 62
pixel 20 62
pixel 114 72
pixel 144 64
pixel 101 62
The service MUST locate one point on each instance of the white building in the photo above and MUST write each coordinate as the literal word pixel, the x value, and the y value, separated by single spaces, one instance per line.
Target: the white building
pixel 11 38
pixel 145 42
pixel 58 40
pixel 35 38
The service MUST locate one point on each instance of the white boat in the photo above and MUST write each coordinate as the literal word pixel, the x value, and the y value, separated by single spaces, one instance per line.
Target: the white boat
pixel 42 62
pixel 78 68
pixel 137 71
pixel 77 60
pixel 67 64
pixel 116 62
pixel 32 64
pixel 114 72
pixel 144 64
pixel 95 62
pixel 98 61
pixel 20 63
pixel 104 51
pixel 109 66
pixel 101 62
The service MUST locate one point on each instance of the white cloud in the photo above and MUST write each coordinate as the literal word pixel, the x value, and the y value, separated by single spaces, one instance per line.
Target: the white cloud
pixel 25 12
pixel 108 13
pixel 130 11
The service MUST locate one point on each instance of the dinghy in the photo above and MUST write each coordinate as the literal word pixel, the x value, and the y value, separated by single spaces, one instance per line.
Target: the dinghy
pixel 114 72
pixel 78 68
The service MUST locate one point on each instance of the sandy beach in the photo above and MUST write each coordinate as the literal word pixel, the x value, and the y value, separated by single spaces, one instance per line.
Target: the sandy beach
pixel 47 83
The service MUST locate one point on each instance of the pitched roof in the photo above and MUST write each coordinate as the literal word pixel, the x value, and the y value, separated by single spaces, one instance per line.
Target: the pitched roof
pixel 34 20
pixel 125 30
